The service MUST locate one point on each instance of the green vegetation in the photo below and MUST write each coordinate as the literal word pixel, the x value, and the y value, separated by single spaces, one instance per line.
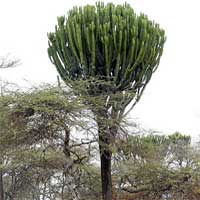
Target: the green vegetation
pixel 106 54
pixel 49 151
pixel 39 157
pixel 51 137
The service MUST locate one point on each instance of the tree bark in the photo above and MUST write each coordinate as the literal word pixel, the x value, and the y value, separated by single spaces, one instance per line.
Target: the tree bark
pixel 1 187
pixel 106 138
pixel 105 158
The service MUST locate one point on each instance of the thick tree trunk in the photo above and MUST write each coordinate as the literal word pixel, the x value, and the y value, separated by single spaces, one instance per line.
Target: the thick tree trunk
pixel 1 187
pixel 106 138
pixel 105 158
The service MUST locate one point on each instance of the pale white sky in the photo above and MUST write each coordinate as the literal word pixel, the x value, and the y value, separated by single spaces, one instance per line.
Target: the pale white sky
pixel 171 100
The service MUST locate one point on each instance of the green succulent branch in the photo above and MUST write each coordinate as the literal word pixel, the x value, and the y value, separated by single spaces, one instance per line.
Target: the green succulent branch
pixel 109 43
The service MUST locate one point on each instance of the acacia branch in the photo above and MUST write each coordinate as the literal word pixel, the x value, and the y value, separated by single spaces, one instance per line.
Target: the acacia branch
pixel 7 63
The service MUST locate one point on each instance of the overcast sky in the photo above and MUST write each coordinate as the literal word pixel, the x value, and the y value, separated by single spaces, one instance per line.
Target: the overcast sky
pixel 171 101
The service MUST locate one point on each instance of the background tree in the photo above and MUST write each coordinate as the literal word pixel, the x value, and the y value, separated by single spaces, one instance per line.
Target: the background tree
pixel 148 167
pixel 111 52
pixel 38 159
pixel 5 63
pixel 40 162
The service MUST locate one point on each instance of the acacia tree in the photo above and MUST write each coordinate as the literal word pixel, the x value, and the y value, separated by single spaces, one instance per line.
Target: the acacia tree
pixel 38 160
pixel 156 167
pixel 111 52
pixel 5 63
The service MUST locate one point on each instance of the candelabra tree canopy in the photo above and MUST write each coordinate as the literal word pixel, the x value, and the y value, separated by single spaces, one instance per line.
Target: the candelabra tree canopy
pixel 106 42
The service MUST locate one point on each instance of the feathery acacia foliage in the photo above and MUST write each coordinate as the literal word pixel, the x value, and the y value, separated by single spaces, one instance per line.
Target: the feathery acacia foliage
pixel 38 154
pixel 39 161
pixel 156 167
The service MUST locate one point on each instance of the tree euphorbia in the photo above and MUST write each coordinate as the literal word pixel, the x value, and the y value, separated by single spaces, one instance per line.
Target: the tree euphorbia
pixel 115 52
